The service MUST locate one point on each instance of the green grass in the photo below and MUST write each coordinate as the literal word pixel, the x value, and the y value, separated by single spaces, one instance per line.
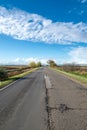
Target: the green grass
pixel 13 78
pixel 80 78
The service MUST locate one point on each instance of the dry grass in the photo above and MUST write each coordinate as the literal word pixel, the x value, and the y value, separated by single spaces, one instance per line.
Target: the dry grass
pixel 77 72
pixel 15 70
pixel 16 77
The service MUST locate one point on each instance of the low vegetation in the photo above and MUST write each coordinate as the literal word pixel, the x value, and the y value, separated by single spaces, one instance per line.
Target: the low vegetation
pixel 75 71
pixel 16 77
pixel 3 74
pixel 9 74
pixel 34 64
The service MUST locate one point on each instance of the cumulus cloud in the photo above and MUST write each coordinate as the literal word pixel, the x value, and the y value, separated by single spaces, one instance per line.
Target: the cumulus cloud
pixel 79 55
pixel 83 1
pixel 22 25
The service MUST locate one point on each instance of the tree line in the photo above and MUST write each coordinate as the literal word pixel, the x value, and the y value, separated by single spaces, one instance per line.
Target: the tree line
pixel 66 67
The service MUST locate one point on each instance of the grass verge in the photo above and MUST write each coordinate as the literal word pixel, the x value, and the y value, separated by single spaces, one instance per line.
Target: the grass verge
pixel 14 78
pixel 79 78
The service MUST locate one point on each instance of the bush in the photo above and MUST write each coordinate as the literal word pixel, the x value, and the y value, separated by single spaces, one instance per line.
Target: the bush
pixel 3 74
pixel 39 64
pixel 33 64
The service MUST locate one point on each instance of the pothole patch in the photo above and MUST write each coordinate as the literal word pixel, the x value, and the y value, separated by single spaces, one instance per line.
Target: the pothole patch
pixel 63 108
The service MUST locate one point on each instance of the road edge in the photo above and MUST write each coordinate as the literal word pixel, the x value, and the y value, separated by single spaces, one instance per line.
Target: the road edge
pixel 71 78
pixel 5 87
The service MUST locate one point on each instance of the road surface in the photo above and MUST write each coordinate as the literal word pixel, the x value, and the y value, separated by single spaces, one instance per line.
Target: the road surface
pixel 22 105
pixel 43 100
pixel 67 102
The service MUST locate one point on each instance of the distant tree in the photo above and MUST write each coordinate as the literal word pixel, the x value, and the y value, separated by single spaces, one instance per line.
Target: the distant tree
pixel 51 63
pixel 32 64
pixel 3 74
pixel 39 64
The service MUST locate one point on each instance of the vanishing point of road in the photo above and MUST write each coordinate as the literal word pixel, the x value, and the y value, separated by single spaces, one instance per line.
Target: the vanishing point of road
pixel 43 100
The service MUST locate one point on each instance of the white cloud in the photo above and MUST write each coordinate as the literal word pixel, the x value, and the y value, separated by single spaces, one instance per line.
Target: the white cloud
pixel 79 55
pixel 83 1
pixel 28 60
pixel 32 27
pixel 24 61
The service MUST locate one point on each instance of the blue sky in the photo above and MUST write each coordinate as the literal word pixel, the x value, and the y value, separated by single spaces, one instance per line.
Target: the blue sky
pixel 42 30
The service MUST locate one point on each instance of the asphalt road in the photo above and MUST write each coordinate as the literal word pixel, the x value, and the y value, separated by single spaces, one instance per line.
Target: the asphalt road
pixel 44 100
pixel 22 105
pixel 67 101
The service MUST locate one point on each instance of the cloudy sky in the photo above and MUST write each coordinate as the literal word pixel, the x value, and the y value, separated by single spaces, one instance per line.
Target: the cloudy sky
pixel 39 30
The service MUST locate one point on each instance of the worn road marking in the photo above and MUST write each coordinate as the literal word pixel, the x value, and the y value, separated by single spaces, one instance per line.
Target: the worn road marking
pixel 48 82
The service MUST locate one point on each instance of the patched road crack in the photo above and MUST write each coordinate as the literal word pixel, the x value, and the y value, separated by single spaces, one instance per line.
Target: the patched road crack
pixel 48 86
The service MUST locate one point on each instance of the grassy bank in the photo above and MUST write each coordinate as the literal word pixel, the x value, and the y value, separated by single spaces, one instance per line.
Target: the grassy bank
pixel 80 78
pixel 16 77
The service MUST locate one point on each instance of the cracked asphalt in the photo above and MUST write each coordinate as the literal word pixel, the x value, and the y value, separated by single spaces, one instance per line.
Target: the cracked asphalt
pixel 44 100
pixel 67 103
